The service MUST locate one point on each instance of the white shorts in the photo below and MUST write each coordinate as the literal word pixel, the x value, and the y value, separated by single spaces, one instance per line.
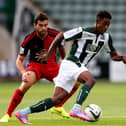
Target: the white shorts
pixel 68 75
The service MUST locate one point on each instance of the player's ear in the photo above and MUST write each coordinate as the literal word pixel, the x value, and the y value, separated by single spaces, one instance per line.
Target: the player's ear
pixel 34 25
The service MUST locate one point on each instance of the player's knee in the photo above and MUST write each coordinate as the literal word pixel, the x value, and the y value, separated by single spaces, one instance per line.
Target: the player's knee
pixel 29 77
pixel 91 81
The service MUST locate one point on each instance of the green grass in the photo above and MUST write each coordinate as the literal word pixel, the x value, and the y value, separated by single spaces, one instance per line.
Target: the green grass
pixel 111 97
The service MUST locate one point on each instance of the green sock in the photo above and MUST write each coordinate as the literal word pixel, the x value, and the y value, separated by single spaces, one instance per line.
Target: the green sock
pixel 42 105
pixel 85 89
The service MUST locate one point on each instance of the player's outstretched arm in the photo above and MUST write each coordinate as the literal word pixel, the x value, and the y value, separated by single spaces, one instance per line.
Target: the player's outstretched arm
pixel 54 44
pixel 19 63
pixel 124 59
pixel 62 52
pixel 46 56
pixel 116 57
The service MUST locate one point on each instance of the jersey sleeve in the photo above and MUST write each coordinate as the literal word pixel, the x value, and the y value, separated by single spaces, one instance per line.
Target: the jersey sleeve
pixel 25 45
pixel 23 48
pixel 73 34
pixel 109 46
pixel 23 51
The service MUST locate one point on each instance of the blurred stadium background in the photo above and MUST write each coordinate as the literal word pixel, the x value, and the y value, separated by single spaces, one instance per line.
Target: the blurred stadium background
pixel 16 20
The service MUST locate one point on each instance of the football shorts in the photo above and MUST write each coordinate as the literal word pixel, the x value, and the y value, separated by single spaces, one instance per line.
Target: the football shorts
pixel 68 75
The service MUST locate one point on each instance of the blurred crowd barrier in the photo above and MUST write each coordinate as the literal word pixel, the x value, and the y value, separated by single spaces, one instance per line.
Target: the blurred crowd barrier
pixel 8 69
pixel 117 71
pixel 17 17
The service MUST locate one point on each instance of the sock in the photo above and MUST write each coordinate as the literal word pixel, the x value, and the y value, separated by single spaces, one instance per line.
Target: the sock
pixel 25 111
pixel 38 107
pixel 76 107
pixel 42 105
pixel 16 99
pixel 68 96
pixel 84 91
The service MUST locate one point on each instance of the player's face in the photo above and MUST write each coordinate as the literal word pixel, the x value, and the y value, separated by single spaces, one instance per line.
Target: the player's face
pixel 41 27
pixel 102 25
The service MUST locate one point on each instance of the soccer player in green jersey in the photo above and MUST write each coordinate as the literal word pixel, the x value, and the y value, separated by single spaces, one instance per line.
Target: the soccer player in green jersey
pixel 87 42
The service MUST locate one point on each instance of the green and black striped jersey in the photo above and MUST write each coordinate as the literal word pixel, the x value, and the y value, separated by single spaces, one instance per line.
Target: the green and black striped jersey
pixel 87 43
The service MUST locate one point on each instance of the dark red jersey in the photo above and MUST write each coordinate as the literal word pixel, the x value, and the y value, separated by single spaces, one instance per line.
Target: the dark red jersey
pixel 33 44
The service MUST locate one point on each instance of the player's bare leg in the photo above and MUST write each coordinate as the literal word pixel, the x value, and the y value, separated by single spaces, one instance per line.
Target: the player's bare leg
pixel 58 109
pixel 76 112
pixel 59 95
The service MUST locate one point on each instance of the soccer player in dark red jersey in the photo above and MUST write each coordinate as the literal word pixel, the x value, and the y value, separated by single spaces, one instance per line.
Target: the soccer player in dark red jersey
pixel 36 43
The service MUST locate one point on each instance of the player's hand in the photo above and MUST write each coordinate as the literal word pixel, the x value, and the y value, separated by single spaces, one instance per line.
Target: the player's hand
pixel 124 59
pixel 42 56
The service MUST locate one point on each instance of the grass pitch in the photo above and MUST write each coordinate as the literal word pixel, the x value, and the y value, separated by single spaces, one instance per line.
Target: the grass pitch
pixel 111 97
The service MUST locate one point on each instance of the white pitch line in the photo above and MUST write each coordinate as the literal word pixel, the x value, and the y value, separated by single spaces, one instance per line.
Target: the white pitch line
pixel 114 117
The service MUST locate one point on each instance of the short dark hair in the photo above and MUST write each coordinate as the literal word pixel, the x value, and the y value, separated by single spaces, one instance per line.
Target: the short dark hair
pixel 104 14
pixel 41 17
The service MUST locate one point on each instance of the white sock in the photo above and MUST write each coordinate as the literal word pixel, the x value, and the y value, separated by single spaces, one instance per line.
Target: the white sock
pixel 25 111
pixel 76 107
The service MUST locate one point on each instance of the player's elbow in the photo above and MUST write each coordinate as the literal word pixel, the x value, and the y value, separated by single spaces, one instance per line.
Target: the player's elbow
pixel 60 36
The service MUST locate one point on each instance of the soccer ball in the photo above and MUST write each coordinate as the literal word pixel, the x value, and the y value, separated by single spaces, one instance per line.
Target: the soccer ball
pixel 94 112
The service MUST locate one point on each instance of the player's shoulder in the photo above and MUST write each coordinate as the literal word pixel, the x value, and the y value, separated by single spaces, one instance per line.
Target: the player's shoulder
pixel 30 35
pixel 28 38
pixel 89 29
pixel 53 32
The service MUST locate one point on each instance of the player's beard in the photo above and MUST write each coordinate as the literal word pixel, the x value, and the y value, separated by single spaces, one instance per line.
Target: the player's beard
pixel 42 33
